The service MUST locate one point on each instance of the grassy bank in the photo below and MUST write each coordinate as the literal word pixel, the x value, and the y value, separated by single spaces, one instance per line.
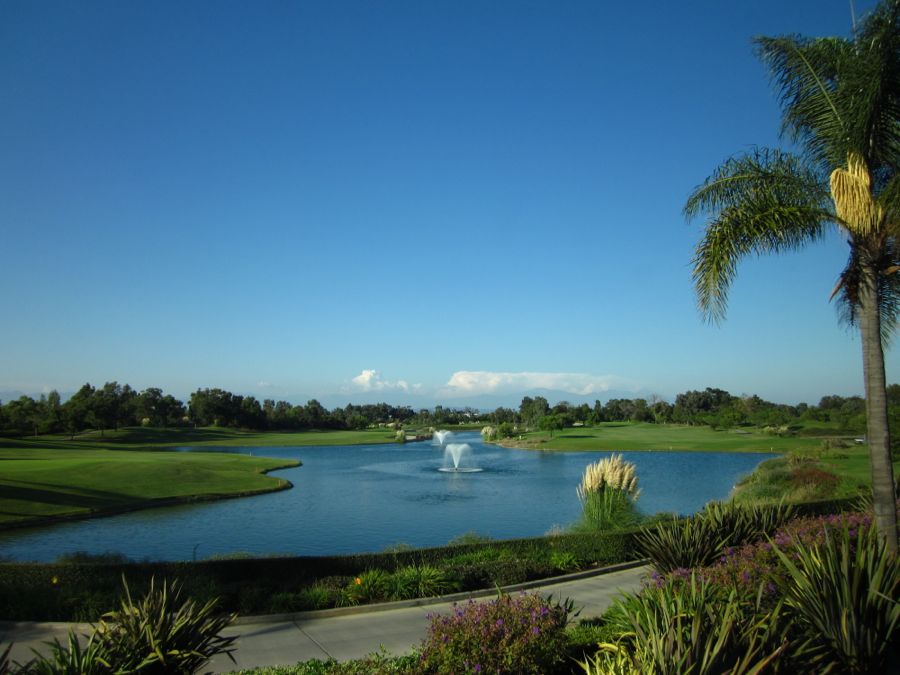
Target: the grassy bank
pixel 644 436
pixel 140 438
pixel 45 483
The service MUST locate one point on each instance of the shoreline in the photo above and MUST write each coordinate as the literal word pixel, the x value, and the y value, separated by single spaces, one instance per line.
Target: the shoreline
pixel 527 445
pixel 42 521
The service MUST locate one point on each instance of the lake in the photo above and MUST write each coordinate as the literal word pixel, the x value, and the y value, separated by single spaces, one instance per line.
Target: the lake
pixel 350 499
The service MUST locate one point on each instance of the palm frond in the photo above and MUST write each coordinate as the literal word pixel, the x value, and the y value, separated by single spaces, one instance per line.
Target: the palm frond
pixel 841 96
pixel 764 202
pixel 805 73
pixel 889 201
pixel 847 292
pixel 870 88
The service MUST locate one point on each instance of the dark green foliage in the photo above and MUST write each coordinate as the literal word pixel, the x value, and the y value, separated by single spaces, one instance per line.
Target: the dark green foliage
pixel 60 592
pixel 499 572
pixel 700 540
pixel 841 601
pixel 419 581
pixel 682 543
pixel 689 627
pixel 747 523
pixel 159 633
pixel 71 659
pixel 378 663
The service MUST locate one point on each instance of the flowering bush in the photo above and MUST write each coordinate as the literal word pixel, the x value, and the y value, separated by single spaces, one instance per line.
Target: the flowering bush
pixel 512 634
pixel 748 567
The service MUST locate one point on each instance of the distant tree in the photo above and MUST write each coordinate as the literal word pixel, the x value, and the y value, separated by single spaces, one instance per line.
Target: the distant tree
pixel 550 423
pixel 77 411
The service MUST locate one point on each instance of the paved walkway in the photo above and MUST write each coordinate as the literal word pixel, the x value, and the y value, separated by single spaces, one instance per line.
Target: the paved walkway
pixel 340 634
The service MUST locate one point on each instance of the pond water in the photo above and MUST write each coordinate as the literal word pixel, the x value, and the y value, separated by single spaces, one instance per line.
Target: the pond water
pixel 350 499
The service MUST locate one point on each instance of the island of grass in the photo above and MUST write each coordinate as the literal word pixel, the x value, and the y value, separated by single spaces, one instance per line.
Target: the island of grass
pixel 58 477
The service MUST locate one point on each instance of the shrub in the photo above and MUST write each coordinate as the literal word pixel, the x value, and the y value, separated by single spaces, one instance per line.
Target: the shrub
pixel 469 538
pixel 370 586
pixel 71 659
pixel 681 543
pixel 158 634
pixel 746 523
pixel 841 599
pixel 564 561
pixel 499 572
pixel 517 635
pixel 814 483
pixel 754 569
pixel 688 627
pixel 419 581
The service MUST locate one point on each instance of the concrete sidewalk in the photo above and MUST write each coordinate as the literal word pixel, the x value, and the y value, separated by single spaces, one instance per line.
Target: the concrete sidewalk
pixel 398 627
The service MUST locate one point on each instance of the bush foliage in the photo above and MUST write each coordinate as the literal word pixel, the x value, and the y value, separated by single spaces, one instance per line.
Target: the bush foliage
pixel 518 635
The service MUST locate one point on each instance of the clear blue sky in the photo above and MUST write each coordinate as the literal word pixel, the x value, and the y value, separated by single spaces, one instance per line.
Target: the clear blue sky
pixel 279 198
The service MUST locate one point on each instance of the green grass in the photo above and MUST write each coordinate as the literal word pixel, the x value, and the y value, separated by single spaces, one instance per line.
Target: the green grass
pixel 811 475
pixel 41 482
pixel 52 476
pixel 644 436
pixel 138 438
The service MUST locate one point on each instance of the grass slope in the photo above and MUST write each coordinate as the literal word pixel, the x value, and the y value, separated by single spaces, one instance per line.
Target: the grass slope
pixel 38 483
pixel 645 436
pixel 135 438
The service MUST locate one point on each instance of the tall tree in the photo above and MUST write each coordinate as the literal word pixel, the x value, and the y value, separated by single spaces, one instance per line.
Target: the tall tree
pixel 840 101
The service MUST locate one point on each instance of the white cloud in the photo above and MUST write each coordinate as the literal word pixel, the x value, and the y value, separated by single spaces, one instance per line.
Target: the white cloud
pixel 475 382
pixel 371 380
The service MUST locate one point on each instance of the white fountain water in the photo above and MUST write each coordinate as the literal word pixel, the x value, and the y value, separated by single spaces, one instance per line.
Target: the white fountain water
pixel 453 453
pixel 442 437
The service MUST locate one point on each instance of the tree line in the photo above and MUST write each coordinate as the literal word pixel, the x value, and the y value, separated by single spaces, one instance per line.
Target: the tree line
pixel 113 406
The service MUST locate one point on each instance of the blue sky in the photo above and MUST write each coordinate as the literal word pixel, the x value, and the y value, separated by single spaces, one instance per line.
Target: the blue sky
pixel 411 201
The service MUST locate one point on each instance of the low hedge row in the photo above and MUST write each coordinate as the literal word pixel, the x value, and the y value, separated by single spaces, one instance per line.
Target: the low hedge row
pixel 83 591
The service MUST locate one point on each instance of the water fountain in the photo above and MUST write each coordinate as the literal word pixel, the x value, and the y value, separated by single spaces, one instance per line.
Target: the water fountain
pixel 454 453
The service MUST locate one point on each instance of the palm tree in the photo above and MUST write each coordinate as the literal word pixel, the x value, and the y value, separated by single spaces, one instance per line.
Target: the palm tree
pixel 840 102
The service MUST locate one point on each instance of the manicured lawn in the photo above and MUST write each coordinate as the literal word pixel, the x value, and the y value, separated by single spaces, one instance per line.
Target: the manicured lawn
pixel 137 438
pixel 643 436
pixel 54 476
pixel 39 482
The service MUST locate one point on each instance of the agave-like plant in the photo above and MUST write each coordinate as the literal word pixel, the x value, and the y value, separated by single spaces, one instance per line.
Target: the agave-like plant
pixel 77 657
pixel 688 628
pixel 747 523
pixel 841 598
pixel 161 633
pixel 682 543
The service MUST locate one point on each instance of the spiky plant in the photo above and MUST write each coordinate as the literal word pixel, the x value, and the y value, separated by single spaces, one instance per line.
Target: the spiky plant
pixel 841 600
pixel 688 628
pixel 746 523
pixel 162 633
pixel 76 657
pixel 682 543
pixel 841 107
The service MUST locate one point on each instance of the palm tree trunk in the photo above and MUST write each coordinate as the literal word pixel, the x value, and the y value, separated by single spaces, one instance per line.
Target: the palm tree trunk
pixel 877 432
